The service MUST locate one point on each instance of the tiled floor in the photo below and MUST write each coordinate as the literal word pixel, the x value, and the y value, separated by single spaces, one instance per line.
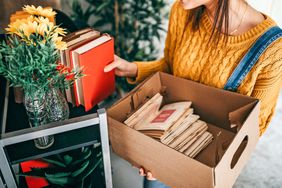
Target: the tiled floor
pixel 263 169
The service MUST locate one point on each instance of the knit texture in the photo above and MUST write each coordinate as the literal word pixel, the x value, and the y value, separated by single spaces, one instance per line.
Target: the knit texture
pixel 190 55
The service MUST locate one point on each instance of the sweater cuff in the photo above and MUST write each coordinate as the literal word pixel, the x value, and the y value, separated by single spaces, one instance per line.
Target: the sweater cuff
pixel 144 70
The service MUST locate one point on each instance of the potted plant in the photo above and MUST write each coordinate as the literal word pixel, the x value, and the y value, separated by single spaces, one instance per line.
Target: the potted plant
pixel 30 59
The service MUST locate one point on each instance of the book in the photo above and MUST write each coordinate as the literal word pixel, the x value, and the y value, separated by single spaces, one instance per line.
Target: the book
pixel 183 131
pixel 75 40
pixel 69 37
pixel 178 130
pixel 178 123
pixel 93 57
pixel 187 135
pixel 195 135
pixel 199 144
pixel 150 108
pixel 163 119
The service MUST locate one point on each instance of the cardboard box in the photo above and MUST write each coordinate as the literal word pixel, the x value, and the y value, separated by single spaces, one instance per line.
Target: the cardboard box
pixel 232 119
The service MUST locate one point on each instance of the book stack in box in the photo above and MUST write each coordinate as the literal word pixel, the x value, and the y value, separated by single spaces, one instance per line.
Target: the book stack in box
pixel 173 124
pixel 92 51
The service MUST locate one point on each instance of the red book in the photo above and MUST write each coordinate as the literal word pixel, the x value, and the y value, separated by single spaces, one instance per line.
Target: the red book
pixel 77 42
pixel 93 57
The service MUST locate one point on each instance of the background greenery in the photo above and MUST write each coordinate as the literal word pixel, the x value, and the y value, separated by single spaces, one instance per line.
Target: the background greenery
pixel 136 25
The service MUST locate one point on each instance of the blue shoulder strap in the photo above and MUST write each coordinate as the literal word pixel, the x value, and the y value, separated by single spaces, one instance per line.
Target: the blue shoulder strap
pixel 252 56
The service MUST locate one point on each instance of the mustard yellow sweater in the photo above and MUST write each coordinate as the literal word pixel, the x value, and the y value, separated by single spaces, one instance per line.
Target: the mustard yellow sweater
pixel 188 55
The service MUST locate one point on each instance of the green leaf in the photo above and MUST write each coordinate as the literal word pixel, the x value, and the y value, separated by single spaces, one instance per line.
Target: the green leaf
pixel 57 175
pixel 54 162
pixel 60 181
pixel 79 171
pixel 67 159
pixel 85 155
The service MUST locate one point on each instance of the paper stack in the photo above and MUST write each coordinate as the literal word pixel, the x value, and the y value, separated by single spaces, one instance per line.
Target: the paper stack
pixel 173 124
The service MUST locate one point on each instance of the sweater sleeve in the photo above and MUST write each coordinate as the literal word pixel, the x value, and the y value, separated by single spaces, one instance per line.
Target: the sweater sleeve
pixel 145 69
pixel 267 89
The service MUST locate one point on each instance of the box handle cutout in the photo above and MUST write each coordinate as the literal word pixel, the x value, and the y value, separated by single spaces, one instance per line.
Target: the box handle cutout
pixel 239 151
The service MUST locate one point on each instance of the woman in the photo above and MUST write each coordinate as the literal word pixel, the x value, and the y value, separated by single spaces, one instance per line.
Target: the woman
pixel 206 40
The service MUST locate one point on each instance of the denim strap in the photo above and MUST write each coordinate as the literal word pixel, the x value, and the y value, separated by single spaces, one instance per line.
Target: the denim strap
pixel 252 56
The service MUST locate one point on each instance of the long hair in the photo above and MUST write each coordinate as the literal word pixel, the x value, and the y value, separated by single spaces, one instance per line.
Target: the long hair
pixel 221 18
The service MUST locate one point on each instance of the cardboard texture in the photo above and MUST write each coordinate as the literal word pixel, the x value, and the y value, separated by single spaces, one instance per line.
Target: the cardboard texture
pixel 232 119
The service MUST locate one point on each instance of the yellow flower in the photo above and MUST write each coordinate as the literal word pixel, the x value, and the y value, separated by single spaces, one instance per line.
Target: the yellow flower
pixel 58 41
pixel 44 23
pixel 61 45
pixel 32 25
pixel 60 31
pixel 28 28
pixel 39 11
pixel 16 26
pixel 38 23
pixel 42 20
pixel 19 15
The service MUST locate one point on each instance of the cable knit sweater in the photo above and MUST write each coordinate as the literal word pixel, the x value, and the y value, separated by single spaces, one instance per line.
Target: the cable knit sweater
pixel 189 55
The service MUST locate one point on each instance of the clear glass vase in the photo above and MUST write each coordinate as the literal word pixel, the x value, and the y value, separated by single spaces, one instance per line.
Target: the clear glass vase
pixel 36 104
pixel 58 106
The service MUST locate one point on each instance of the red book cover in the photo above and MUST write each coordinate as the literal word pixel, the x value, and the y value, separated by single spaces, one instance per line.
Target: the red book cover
pixel 34 182
pixel 97 85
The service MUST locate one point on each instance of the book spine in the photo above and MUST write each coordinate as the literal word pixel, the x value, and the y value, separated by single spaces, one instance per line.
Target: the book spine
pixel 78 82
pixel 68 93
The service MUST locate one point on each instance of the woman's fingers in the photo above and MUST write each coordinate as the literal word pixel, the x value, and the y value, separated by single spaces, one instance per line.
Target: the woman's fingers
pixel 122 67
pixel 150 176
pixel 115 64
pixel 120 73
pixel 116 57
pixel 111 66
pixel 142 172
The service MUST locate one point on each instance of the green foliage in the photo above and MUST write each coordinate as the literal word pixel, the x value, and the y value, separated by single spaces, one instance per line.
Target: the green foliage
pixel 33 65
pixel 71 169
pixel 135 25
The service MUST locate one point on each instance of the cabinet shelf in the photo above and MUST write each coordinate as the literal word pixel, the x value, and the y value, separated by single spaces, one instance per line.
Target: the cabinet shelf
pixel 17 145
pixel 67 141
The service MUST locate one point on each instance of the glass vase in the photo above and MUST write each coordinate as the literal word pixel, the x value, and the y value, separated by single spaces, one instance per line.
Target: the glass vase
pixel 59 109
pixel 36 105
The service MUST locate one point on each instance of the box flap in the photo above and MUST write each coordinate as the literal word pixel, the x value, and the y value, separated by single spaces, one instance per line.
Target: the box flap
pixel 238 117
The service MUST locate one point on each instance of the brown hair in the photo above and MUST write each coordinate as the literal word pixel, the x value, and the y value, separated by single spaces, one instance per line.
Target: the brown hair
pixel 221 18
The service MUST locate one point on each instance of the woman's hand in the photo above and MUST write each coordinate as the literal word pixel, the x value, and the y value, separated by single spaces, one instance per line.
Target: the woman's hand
pixel 122 67
pixel 148 175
